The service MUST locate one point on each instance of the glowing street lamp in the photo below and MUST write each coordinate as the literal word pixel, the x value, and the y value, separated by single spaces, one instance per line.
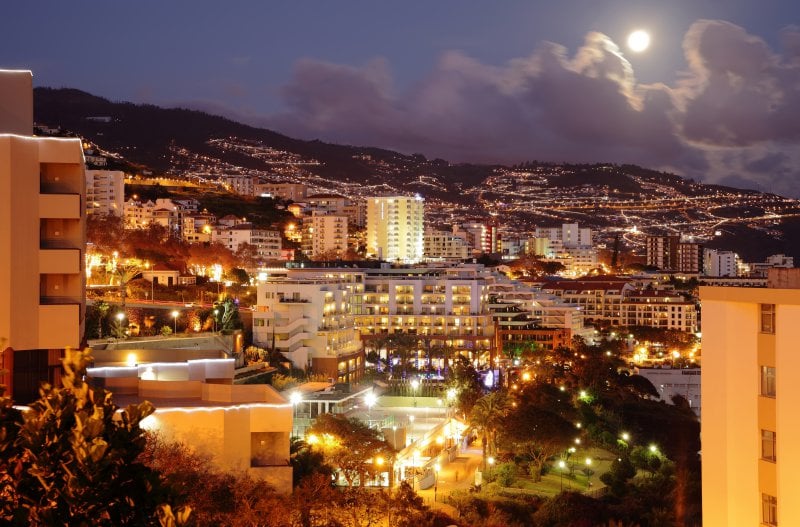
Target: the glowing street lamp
pixel 216 312
pixel 295 398
pixel 561 466
pixel 414 387
pixel 175 315
pixel 370 399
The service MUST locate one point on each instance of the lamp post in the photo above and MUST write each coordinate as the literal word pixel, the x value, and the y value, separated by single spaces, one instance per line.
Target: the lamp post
pixel 436 468
pixel 370 399
pixel 411 428
pixel 120 318
pixel 561 466
pixel 216 312
pixel 414 386
pixel 588 472
pixel 175 315
pixel 295 398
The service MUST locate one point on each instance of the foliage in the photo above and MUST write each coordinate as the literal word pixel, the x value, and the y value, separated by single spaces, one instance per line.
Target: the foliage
pixel 74 459
pixel 306 462
pixel 229 319
pixel 486 419
pixel 351 447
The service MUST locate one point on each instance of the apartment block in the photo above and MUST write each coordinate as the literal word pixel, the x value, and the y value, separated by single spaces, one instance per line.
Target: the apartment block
pixel 662 252
pixel 395 228
pixel 287 191
pixel 659 309
pixel 444 245
pixel 337 205
pixel 324 235
pixel 42 243
pixel 309 320
pixel 105 192
pixel 599 299
pixel 750 391
pixel 267 243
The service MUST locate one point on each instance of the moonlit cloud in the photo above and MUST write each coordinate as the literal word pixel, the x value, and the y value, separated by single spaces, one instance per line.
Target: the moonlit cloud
pixel 731 117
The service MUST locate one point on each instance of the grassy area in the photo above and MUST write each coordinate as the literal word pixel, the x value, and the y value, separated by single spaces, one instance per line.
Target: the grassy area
pixel 573 478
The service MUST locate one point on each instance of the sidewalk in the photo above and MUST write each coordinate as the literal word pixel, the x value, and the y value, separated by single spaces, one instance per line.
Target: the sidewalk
pixel 458 474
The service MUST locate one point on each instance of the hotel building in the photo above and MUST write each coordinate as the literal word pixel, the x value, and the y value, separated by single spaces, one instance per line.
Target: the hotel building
pixel 750 391
pixel 395 230
pixel 42 243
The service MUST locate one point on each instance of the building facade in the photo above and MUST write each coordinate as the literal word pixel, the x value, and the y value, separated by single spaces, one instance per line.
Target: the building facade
pixel 324 235
pixel 42 244
pixel 662 252
pixel 105 192
pixel 395 228
pixel 750 391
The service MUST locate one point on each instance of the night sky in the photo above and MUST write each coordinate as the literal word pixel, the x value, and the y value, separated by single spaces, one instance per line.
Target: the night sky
pixel 715 97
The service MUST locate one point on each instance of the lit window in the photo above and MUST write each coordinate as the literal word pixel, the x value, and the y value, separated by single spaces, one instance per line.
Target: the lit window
pixel 768 445
pixel 767 318
pixel 769 509
pixel 767 381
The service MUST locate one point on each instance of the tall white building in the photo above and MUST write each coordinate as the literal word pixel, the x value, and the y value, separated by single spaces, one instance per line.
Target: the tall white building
pixel 105 192
pixel 571 235
pixel 720 263
pixel 395 228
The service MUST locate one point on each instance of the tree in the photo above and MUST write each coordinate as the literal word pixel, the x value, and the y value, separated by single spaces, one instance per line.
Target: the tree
pixel 75 459
pixel 537 428
pixel 307 462
pixel 351 447
pixel 486 418
pixel 230 320
pixel 123 274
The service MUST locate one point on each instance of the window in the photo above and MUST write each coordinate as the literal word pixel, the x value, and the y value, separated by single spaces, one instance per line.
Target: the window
pixel 769 509
pixel 767 318
pixel 258 322
pixel 767 381
pixel 768 445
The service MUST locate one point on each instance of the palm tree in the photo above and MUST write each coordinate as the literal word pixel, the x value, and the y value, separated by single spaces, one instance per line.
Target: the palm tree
pixel 123 274
pixel 486 418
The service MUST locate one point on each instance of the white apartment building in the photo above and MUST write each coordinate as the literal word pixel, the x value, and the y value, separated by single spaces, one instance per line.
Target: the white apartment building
pixel 670 382
pixel 571 235
pixel 337 205
pixel 599 298
pixel 441 306
pixel 309 320
pixel 105 192
pixel 287 191
pixel 239 184
pixel 324 234
pixel 42 244
pixel 481 237
pixel 751 391
pixel 266 242
pixel 720 263
pixel 395 228
pixel 444 245
pixel 659 309
pixel 164 211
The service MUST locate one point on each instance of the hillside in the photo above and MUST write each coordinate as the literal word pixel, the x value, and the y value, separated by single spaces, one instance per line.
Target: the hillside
pixel 619 201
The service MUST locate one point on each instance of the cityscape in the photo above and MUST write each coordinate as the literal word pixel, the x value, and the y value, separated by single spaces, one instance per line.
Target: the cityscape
pixel 561 300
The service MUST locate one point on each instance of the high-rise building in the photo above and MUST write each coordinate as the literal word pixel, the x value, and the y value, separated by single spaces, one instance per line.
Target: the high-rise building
pixel 325 235
pixel 720 263
pixel 690 258
pixel 662 252
pixel 42 243
pixel 444 245
pixel 571 235
pixel 395 228
pixel 105 192
pixel 750 391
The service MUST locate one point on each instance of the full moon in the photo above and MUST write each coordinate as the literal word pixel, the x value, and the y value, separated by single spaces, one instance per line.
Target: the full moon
pixel 639 41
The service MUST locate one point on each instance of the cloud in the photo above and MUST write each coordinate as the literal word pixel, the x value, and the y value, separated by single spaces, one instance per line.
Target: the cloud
pixel 733 114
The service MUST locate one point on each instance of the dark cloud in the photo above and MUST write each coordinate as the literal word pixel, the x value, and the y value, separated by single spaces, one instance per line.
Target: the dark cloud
pixel 733 112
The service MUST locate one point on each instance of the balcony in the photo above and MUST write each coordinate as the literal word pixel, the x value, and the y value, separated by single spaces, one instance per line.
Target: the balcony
pixel 65 206
pixel 59 323
pixel 60 261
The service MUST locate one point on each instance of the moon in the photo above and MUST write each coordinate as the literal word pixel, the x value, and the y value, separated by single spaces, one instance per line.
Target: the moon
pixel 639 41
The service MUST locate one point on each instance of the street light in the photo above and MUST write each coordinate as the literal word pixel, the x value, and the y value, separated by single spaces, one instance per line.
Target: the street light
pixel 436 468
pixel 175 315
pixel 216 312
pixel 561 466
pixel 295 398
pixel 370 399
pixel 588 470
pixel 411 429
pixel 414 386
